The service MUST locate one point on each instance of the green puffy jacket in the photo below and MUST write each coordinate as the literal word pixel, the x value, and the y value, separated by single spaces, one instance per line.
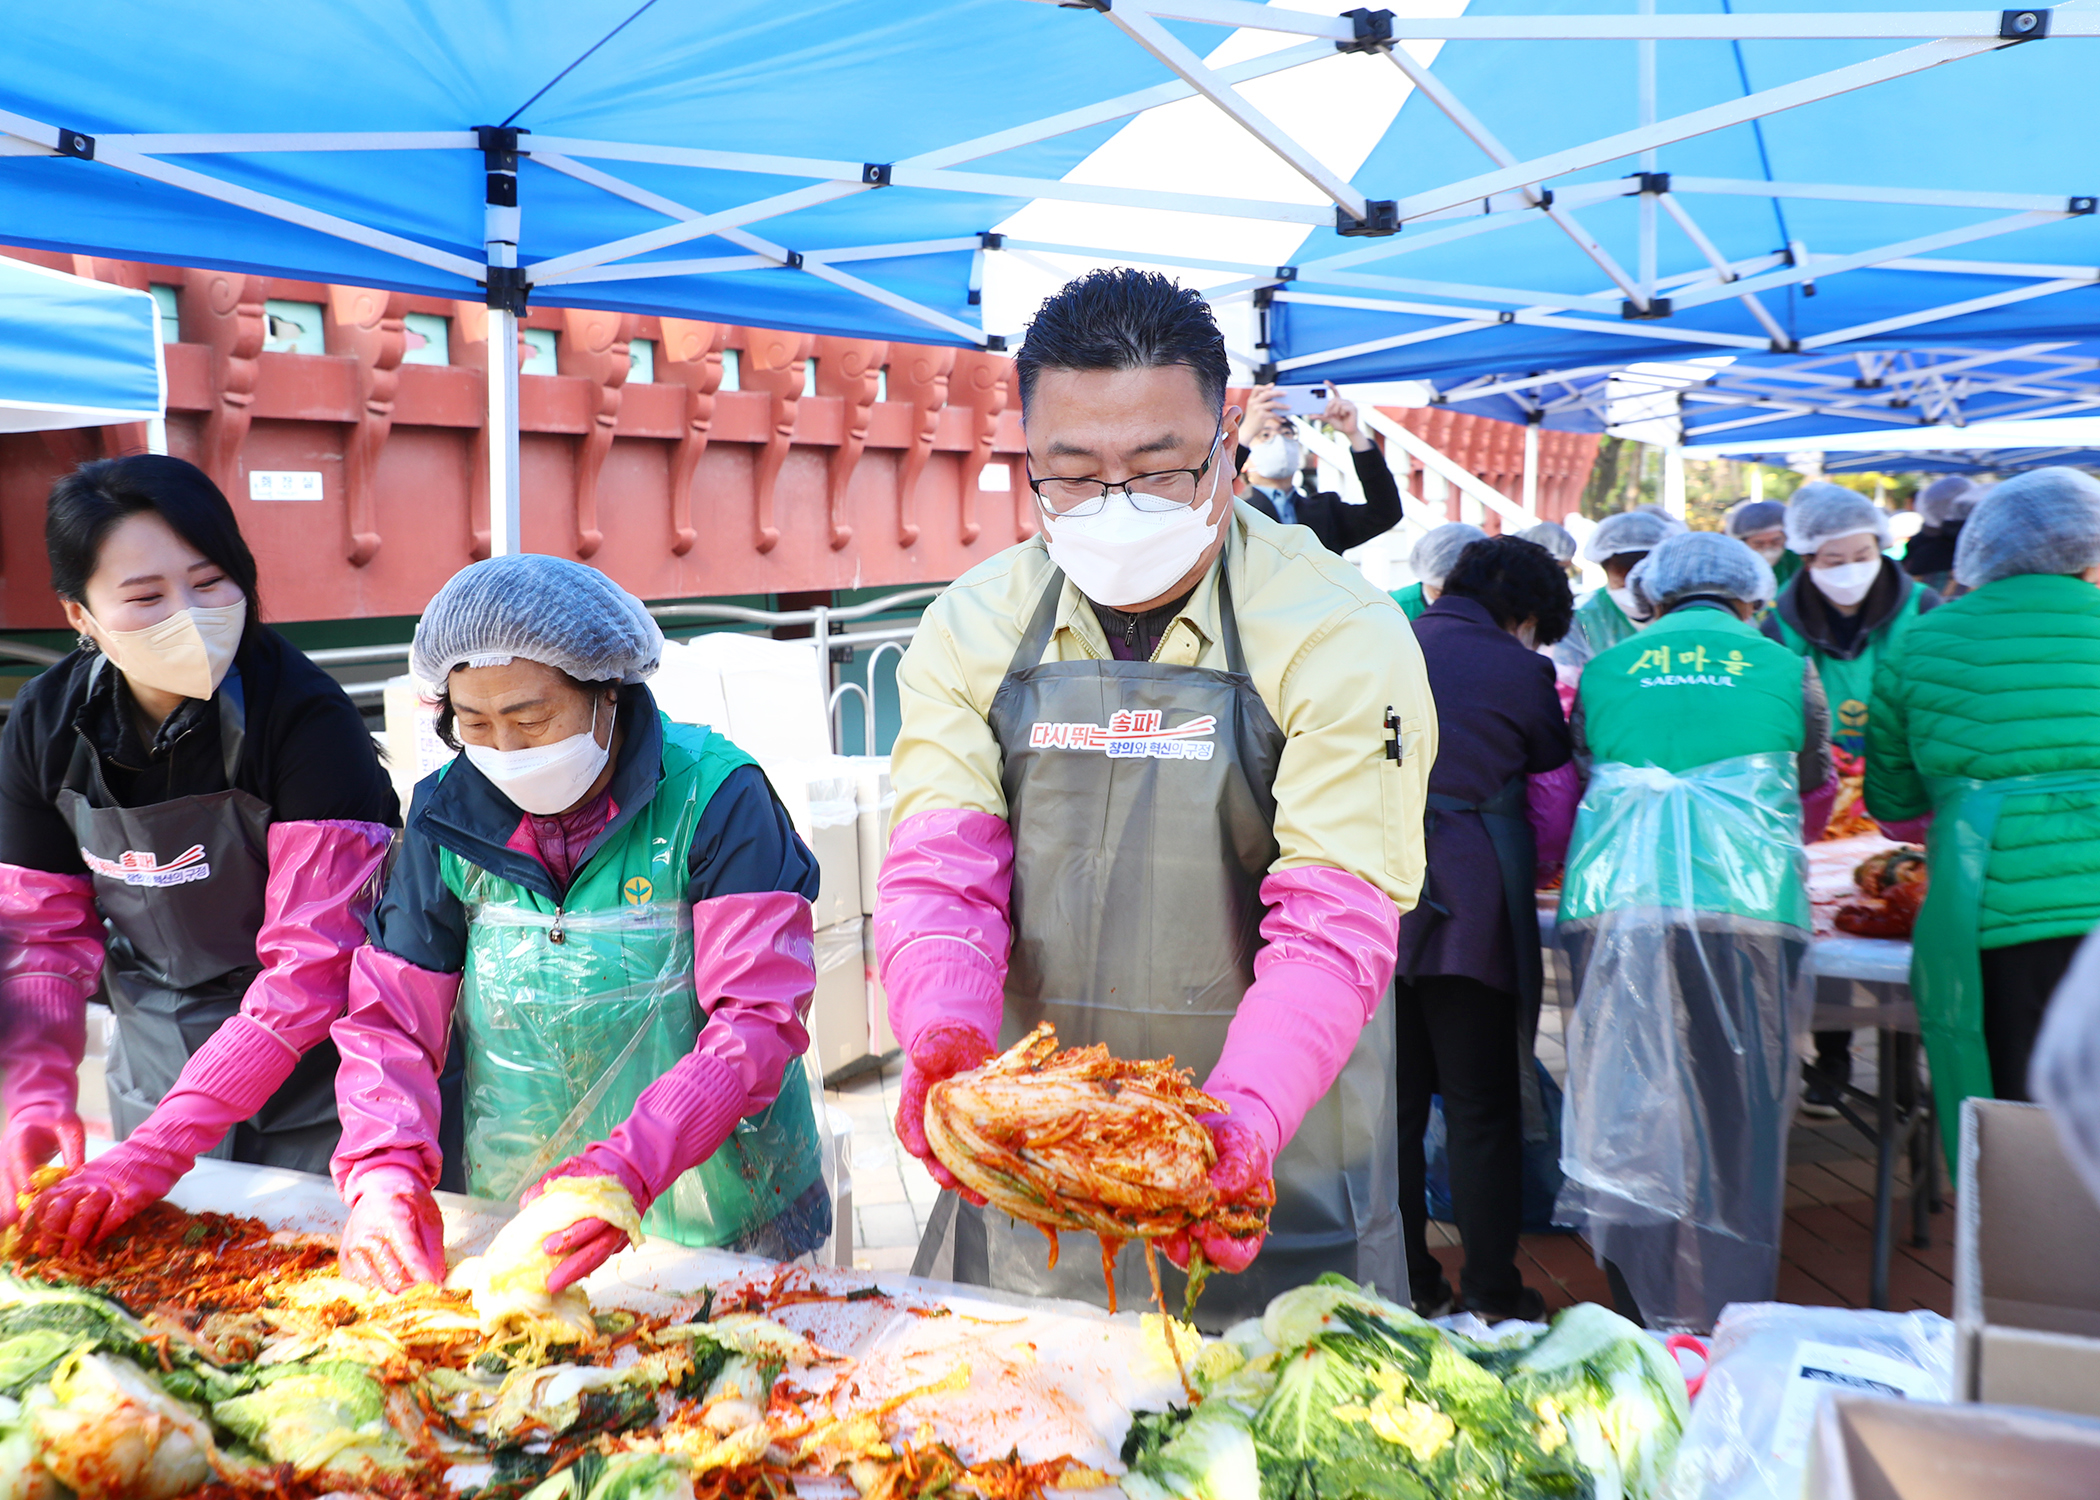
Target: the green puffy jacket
pixel 2002 682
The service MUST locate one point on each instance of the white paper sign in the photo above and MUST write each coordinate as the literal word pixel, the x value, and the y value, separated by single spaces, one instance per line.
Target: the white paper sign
pixel 283 484
pixel 997 477
pixel 1820 1370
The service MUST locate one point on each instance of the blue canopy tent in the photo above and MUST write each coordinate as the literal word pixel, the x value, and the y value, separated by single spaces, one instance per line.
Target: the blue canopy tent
pixel 1764 397
pixel 845 167
pixel 1949 461
pixel 75 353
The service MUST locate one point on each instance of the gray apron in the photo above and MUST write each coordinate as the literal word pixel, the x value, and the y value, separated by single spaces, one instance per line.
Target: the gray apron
pixel 1136 918
pixel 180 888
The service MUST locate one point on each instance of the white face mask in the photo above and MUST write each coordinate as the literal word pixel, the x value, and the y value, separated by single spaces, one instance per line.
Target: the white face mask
pixel 1846 583
pixel 546 779
pixel 1121 556
pixel 1275 458
pixel 1629 606
pixel 188 653
pixel 1771 552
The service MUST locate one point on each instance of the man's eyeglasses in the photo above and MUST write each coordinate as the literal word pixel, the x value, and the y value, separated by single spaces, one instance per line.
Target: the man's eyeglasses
pixel 1165 489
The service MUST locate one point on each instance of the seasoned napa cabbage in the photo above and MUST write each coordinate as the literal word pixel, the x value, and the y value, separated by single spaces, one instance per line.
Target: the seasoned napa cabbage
pixel 325 1419
pixel 110 1433
pixel 623 1476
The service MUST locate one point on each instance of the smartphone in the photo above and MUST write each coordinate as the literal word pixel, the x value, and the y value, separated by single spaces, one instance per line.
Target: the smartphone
pixel 1304 400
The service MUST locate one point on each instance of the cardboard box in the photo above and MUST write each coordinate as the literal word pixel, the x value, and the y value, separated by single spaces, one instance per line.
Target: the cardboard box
pixel 413 748
pixel 838 1019
pixel 1865 1449
pixel 873 801
pixel 881 1040
pixel 2026 1251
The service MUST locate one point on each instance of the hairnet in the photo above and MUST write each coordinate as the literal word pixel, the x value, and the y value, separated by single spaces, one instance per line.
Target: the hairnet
pixel 1748 517
pixel 2064 1074
pixel 1936 501
pixel 544 609
pixel 1700 562
pixel 1822 513
pixel 1436 554
pixel 1965 504
pixel 1554 538
pixel 2043 521
pixel 1629 531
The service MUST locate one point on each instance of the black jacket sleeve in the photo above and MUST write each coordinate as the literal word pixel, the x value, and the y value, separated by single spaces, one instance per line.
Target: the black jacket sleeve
pixel 1548 739
pixel 746 844
pixel 34 750
pixel 1356 524
pixel 322 763
pixel 418 918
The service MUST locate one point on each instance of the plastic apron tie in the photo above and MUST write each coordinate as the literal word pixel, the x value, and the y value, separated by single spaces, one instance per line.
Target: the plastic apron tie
pixel 1946 964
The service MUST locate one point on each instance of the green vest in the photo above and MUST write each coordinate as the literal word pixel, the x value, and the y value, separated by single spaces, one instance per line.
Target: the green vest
pixel 1695 687
pixel 1411 601
pixel 1693 803
pixel 1850 684
pixel 1602 623
pixel 1784 570
pixel 569 1010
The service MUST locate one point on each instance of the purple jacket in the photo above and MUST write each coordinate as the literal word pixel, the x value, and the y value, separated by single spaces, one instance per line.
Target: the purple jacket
pixel 1498 717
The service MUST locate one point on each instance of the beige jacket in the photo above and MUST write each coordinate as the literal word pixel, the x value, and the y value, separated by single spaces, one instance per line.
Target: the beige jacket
pixel 1328 653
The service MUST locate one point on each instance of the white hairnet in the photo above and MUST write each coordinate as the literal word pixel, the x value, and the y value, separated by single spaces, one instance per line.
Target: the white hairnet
pixel 2043 521
pixel 2064 1074
pixel 1748 517
pixel 544 609
pixel 1965 504
pixel 1937 500
pixel 1630 531
pixel 1822 513
pixel 1700 562
pixel 1437 553
pixel 1554 538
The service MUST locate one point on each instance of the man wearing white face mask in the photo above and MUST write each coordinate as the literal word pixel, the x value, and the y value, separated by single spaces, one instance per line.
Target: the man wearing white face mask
pixel 1271 457
pixel 1160 781
pixel 192 813
pixel 1611 614
pixel 613 912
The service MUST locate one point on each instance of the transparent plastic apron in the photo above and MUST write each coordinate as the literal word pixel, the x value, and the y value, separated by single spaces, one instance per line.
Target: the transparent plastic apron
pixel 180 884
pixel 1946 964
pixel 566 1017
pixel 1685 917
pixel 1136 916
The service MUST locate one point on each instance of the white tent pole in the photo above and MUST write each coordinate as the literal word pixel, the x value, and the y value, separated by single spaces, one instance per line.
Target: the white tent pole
pixel 1673 479
pixel 1646 47
pixel 1757 481
pixel 2011 203
pixel 1784 26
pixel 1162 44
pixel 506 298
pixel 1951 310
pixel 1531 467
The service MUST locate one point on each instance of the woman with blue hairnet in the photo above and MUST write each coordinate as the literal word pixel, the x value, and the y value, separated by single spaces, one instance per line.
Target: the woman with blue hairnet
pixel 612 912
pixel 1684 914
pixel 1844 611
pixel 1612 614
pixel 1432 560
pixel 1987 717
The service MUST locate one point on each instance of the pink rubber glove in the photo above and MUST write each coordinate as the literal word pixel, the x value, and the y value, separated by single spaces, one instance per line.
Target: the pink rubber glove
pixel 395 1238
pixel 937 1053
pixel 314 906
pixel 1245 1171
pixel 1815 810
pixel 941 927
pixel 50 957
pixel 1550 800
pixel 392 1039
pixel 1330 940
pixel 754 970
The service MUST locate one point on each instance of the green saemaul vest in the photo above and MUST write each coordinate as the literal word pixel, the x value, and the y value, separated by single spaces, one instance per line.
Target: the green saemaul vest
pixel 1602 623
pixel 569 1010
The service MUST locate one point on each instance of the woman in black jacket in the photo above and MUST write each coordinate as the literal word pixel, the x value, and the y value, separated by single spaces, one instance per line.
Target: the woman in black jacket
pixel 1470 974
pixel 192 815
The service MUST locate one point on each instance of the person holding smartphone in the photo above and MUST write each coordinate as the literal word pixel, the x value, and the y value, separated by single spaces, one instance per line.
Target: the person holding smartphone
pixel 1270 456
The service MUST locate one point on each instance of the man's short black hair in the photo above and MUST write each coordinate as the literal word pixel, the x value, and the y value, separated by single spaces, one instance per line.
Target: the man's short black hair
pixel 1121 319
pixel 1515 580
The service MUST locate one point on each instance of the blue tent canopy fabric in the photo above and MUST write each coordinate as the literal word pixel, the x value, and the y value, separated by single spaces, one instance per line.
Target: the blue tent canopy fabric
pixel 1945 461
pixel 1784 397
pixel 730 155
pixel 74 352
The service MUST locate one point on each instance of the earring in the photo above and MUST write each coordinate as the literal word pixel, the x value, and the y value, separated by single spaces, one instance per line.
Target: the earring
pixel 87 643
